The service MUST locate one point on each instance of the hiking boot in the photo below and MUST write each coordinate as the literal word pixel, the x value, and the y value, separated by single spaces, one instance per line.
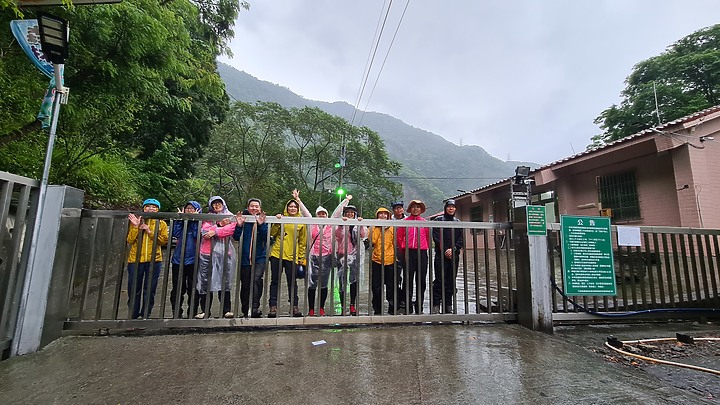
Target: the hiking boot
pixel 322 311
pixel 229 315
pixel 201 315
pixel 296 312
pixel 311 312
pixel 436 309
pixel 353 312
pixel 273 312
pixel 448 309
pixel 256 313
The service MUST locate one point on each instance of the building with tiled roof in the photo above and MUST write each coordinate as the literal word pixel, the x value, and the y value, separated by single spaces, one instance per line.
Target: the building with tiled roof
pixel 663 176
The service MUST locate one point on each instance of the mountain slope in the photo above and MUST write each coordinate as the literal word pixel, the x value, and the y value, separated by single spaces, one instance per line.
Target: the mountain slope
pixel 433 168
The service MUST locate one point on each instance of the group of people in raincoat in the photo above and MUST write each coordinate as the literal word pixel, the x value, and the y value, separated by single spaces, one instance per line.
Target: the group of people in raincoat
pixel 397 254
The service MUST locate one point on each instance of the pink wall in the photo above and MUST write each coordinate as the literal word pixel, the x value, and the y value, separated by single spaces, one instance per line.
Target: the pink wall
pixel 706 184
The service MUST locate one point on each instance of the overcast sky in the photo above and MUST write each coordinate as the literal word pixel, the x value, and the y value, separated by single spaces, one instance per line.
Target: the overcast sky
pixel 524 79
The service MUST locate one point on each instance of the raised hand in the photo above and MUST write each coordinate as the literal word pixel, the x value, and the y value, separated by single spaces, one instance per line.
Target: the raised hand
pixel 261 218
pixel 240 218
pixel 296 194
pixel 135 220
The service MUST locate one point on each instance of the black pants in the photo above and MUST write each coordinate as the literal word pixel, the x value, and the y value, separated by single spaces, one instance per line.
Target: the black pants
pixel 246 275
pixel 390 280
pixel 445 274
pixel 415 269
pixel 311 297
pixel 223 298
pixel 275 270
pixel 184 286
pixel 353 295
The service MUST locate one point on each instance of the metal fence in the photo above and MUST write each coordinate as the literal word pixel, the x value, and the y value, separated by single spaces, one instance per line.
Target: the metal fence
pixel 18 203
pixel 99 290
pixel 674 270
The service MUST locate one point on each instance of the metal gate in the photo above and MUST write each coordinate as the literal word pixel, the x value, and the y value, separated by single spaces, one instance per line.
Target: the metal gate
pixel 18 204
pixel 99 288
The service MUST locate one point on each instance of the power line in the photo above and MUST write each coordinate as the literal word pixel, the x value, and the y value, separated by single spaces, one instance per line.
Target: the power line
pixel 369 68
pixel 377 79
pixel 447 178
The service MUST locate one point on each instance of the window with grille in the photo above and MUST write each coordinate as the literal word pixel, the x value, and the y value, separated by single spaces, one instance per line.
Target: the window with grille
pixel 476 214
pixel 619 192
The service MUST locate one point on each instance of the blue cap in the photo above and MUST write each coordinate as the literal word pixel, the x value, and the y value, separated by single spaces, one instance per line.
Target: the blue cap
pixel 396 203
pixel 195 205
pixel 151 201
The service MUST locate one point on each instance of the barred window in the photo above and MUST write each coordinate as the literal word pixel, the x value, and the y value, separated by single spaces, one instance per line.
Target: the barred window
pixel 476 214
pixel 619 192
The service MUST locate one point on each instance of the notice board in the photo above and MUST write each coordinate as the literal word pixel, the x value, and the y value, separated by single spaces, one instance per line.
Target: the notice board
pixel 587 256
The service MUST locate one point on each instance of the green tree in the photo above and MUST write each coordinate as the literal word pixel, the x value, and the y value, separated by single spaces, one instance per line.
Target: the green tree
pixel 247 156
pixel 686 78
pixel 144 93
pixel 264 150
pixel 315 140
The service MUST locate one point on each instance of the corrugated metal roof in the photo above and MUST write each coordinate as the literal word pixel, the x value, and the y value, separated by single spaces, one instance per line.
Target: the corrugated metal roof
pixel 628 138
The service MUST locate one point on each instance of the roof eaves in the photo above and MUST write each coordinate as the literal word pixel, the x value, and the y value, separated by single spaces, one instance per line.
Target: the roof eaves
pixel 644 132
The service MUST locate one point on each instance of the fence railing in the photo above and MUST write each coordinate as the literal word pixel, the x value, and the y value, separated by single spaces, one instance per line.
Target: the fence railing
pixel 674 270
pixel 482 290
pixel 18 202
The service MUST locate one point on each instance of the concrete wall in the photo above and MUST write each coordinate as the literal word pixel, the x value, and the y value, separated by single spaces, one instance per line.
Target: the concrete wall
pixel 703 192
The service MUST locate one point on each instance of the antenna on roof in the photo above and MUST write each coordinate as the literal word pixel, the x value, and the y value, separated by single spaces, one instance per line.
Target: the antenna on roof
pixel 657 109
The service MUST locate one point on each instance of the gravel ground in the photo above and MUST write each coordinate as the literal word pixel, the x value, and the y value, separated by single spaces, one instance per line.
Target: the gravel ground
pixel 706 354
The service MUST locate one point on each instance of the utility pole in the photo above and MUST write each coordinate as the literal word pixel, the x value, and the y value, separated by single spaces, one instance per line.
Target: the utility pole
pixel 342 171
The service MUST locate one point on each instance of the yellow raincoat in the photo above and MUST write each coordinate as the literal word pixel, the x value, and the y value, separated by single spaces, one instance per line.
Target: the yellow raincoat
pixel 295 234
pixel 146 251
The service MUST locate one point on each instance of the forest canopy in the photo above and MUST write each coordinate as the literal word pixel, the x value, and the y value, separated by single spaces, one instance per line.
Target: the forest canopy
pixel 148 116
pixel 682 80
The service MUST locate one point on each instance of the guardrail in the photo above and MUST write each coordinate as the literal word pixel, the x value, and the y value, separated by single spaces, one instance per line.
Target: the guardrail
pixel 99 289
pixel 674 270
pixel 18 204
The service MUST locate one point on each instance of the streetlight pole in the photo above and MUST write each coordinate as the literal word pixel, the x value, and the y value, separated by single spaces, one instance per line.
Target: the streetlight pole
pixel 54 35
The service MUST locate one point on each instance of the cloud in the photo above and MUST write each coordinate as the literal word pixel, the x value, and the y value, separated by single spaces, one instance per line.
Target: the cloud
pixel 523 79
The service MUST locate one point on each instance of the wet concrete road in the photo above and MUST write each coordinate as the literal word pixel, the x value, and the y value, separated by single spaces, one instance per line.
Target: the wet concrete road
pixel 478 364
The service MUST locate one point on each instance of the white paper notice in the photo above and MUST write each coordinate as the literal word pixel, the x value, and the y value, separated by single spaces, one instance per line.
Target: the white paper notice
pixel 628 235
pixel 318 342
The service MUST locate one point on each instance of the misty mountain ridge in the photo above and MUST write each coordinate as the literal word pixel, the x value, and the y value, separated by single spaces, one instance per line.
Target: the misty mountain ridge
pixel 433 168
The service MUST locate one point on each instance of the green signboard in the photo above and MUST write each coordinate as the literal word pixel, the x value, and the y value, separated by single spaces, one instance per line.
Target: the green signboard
pixel 587 256
pixel 536 222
